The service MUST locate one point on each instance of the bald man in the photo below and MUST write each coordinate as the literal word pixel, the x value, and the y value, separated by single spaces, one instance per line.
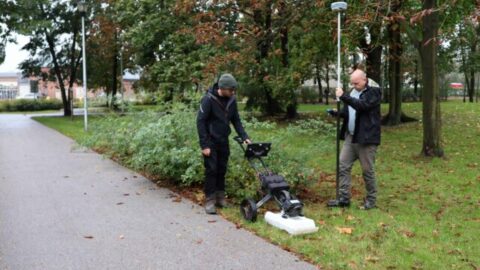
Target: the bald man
pixel 361 134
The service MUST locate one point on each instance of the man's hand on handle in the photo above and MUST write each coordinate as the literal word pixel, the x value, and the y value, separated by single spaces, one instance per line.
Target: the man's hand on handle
pixel 332 112
pixel 339 92
pixel 206 152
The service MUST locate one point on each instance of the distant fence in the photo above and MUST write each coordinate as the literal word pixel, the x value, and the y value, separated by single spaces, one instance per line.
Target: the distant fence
pixel 7 94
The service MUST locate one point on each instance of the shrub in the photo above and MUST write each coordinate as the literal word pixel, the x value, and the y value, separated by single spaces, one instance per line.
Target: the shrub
pixel 166 145
pixel 308 94
pixel 22 105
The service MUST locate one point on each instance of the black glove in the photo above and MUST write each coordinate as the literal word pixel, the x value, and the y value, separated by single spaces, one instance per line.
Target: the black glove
pixel 332 112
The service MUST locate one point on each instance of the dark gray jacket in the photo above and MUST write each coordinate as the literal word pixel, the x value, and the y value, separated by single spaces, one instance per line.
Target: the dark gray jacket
pixel 214 118
pixel 368 117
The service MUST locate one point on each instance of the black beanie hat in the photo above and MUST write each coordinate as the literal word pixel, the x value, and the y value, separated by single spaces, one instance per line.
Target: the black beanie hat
pixel 227 81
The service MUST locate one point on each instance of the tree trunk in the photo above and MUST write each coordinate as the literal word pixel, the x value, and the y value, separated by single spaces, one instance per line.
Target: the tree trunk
pixel 292 106
pixel 471 90
pixel 67 110
pixel 394 75
pixel 395 115
pixel 431 100
pixel 343 79
pixel 465 67
pixel 373 53
pixel 319 82
pixel 327 79
pixel 114 72
pixel 478 89
pixel 386 84
pixel 415 81
pixel 263 19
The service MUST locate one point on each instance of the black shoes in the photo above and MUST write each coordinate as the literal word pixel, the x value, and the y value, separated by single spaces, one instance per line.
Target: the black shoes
pixel 210 205
pixel 342 203
pixel 338 203
pixel 368 205
pixel 220 199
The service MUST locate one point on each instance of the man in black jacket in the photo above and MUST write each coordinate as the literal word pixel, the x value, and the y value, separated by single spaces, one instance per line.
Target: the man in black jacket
pixel 361 133
pixel 217 109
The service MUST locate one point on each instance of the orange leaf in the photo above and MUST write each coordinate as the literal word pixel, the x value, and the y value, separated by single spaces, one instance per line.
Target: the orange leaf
pixel 344 230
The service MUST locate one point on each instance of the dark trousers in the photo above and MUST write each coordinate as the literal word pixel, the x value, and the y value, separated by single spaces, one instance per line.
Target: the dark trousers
pixel 365 153
pixel 215 169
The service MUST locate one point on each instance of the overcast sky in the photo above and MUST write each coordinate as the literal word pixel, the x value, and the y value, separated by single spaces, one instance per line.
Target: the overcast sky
pixel 14 55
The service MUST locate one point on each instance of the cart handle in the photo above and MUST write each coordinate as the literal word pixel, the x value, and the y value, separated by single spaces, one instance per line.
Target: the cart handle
pixel 238 139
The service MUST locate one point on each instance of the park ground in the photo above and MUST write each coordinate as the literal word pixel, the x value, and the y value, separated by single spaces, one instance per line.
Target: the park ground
pixel 428 213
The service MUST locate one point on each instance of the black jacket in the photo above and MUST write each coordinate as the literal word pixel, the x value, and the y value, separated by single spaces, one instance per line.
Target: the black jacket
pixel 214 117
pixel 368 117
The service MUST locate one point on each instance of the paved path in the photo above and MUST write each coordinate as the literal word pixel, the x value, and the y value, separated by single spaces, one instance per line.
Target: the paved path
pixel 65 208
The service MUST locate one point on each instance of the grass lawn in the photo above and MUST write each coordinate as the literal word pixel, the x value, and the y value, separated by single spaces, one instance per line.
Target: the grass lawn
pixel 428 213
pixel 72 128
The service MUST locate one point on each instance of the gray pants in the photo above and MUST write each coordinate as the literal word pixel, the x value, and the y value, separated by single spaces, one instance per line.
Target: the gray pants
pixel 365 153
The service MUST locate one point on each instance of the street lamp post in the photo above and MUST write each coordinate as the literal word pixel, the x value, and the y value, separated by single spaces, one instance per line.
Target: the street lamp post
pixel 338 7
pixel 82 8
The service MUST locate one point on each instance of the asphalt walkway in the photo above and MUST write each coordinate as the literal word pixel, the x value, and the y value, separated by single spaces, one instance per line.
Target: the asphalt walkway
pixel 63 207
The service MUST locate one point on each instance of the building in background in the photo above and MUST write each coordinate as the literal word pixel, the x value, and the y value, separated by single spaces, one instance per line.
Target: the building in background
pixel 14 85
pixel 9 85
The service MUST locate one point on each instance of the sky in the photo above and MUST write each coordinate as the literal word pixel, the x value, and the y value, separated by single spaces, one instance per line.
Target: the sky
pixel 14 55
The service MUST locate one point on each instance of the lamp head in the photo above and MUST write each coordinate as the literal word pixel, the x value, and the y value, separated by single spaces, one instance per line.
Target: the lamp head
pixel 82 7
pixel 338 6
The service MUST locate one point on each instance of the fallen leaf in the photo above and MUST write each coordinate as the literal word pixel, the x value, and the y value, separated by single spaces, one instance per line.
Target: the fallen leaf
pixel 454 252
pixel 88 237
pixel 349 217
pixel 120 203
pixel 212 221
pixel 373 259
pixel 344 230
pixel 200 197
pixel 408 234
pixel 66 176
pixel 199 241
pixel 134 176
pixel 126 194
pixel 177 199
pixel 321 222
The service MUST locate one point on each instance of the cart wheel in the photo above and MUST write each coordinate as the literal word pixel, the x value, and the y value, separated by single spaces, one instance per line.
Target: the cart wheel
pixel 248 209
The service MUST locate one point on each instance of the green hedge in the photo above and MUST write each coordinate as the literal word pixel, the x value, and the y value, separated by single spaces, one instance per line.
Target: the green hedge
pixel 22 105
pixel 166 146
